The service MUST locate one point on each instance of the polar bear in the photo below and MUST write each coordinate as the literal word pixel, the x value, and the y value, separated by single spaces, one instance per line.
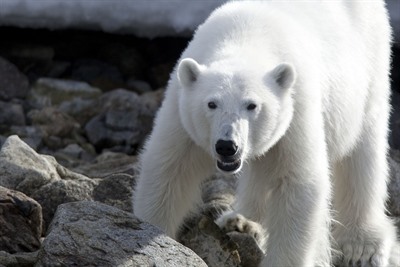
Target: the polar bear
pixel 293 98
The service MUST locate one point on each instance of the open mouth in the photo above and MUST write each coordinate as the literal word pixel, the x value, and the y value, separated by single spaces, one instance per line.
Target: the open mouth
pixel 229 165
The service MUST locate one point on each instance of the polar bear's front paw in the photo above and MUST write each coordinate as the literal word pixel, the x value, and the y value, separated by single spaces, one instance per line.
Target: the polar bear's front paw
pixel 236 222
pixel 365 249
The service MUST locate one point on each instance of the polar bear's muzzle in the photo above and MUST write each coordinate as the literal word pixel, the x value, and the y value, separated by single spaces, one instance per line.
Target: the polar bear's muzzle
pixel 229 166
pixel 228 156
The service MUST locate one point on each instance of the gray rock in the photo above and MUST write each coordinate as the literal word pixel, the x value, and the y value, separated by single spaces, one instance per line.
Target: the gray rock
pixel 11 114
pixel 41 177
pixel 121 122
pixel 22 169
pixel 97 73
pixel 53 122
pixel 116 190
pixel 203 236
pixel 21 222
pixel 114 128
pixel 394 184
pixel 48 92
pixel 108 163
pixel 94 234
pixel 217 248
pixel 81 110
pixel 248 249
pixel 53 194
pixel 13 84
pixel 23 259
pixel 32 135
pixel 138 85
pixel 74 155
pixel 57 68
pixel 73 150
pixel 2 140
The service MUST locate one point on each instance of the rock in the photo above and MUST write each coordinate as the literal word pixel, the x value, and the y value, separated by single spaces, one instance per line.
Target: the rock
pixel 200 233
pixel 32 135
pixel 58 68
pixel 58 128
pixel 53 122
pixel 94 234
pixel 21 222
pixel 203 236
pixel 116 190
pixel 13 84
pixel 2 140
pixel 97 73
pixel 41 177
pixel 11 114
pixel 108 163
pixel 23 259
pixel 121 124
pixel 22 169
pixel 53 194
pixel 81 110
pixel 394 184
pixel 249 251
pixel 74 155
pixel 138 85
pixel 48 92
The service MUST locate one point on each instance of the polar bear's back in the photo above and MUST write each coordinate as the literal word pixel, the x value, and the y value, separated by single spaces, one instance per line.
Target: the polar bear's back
pixel 288 24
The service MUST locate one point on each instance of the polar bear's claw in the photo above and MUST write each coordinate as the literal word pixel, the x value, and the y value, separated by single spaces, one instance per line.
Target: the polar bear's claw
pixel 372 252
pixel 236 222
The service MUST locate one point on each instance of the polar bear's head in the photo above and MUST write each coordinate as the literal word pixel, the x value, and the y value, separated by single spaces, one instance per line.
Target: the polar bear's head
pixel 233 113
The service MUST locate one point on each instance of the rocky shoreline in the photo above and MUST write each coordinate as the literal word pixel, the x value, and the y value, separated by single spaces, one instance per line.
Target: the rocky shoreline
pixel 75 109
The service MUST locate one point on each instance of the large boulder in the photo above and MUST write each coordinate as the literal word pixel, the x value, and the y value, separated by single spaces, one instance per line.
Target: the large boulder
pixel 20 222
pixel 94 234
pixel 41 177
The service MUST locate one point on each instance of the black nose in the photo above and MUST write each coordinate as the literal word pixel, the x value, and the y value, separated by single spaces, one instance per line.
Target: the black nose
pixel 226 148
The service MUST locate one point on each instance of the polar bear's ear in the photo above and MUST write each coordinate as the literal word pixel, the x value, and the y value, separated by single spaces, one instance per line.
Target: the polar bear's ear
pixel 284 75
pixel 188 72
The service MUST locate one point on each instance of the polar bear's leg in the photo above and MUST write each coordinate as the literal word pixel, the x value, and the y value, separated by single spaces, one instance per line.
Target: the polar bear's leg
pixel 364 233
pixel 295 215
pixel 249 207
pixel 298 226
pixel 172 168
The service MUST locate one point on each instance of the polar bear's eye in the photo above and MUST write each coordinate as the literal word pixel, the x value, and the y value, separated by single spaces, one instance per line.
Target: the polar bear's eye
pixel 251 106
pixel 212 105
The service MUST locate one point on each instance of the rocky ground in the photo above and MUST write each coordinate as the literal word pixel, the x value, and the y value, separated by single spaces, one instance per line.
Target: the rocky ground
pixel 75 108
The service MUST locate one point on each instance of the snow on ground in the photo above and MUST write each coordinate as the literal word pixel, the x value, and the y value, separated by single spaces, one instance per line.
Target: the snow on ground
pixel 145 18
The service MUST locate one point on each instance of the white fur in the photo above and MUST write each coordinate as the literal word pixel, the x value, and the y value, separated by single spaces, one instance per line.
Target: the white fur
pixel 316 76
